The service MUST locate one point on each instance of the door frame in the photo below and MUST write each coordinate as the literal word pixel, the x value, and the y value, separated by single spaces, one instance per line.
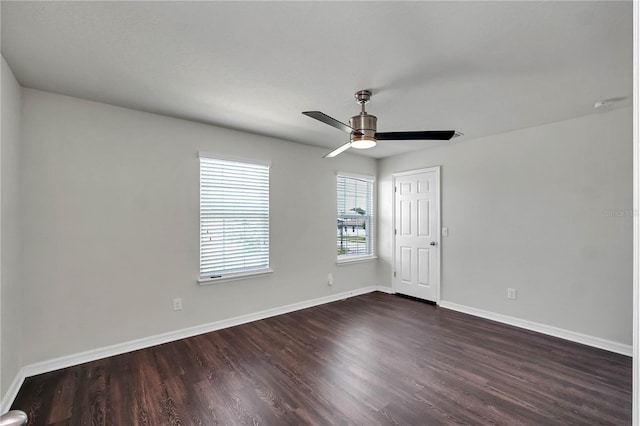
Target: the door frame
pixel 436 169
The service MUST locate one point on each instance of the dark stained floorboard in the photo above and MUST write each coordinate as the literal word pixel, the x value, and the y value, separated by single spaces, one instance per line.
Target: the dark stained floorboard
pixel 369 360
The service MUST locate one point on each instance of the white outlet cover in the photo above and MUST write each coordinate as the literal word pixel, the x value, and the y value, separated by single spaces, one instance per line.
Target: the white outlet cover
pixel 177 304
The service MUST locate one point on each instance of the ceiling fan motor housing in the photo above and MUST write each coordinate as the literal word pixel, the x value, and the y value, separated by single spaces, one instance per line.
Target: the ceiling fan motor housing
pixel 364 134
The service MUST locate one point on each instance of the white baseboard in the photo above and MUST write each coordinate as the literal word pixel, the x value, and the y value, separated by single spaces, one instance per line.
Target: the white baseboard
pixel 145 342
pixel 573 336
pixel 12 391
pixel 120 348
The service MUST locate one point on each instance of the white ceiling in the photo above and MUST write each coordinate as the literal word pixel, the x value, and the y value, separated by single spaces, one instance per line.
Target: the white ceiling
pixel 481 68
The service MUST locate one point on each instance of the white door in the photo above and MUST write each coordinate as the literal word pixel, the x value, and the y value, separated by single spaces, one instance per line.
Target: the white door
pixel 417 236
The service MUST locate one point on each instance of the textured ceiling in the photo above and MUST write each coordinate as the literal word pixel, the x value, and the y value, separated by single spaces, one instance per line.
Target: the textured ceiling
pixel 477 67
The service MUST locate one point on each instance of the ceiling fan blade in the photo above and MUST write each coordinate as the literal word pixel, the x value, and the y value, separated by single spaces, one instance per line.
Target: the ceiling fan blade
pixel 320 116
pixel 338 150
pixel 429 135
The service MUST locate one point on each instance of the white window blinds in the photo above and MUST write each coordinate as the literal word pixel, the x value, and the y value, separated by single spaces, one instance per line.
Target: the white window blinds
pixel 234 217
pixel 355 219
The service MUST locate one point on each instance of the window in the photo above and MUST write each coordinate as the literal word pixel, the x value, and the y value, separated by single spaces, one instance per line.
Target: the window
pixel 355 221
pixel 234 218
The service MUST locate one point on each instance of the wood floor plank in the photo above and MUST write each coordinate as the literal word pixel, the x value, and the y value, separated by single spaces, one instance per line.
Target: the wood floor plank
pixel 375 359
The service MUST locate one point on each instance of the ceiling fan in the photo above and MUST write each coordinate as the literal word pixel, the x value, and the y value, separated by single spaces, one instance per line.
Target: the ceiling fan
pixel 362 128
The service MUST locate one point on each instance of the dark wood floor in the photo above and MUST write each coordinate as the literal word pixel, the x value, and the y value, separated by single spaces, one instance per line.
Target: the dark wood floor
pixel 373 359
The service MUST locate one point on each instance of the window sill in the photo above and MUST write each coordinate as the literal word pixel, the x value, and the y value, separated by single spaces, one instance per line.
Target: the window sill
pixel 234 277
pixel 356 260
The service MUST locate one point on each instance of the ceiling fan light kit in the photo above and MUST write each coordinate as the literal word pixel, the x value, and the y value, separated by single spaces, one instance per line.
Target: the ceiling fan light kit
pixel 363 128
pixel 363 143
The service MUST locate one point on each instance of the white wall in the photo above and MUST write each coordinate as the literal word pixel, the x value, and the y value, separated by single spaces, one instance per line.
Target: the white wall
pixel 10 280
pixel 536 210
pixel 111 225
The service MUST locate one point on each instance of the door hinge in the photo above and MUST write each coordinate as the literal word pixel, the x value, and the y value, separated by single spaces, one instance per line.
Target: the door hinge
pixel 394 274
pixel 395 232
pixel 395 189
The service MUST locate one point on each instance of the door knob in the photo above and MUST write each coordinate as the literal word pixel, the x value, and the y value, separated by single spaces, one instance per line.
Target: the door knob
pixel 433 243
pixel 13 418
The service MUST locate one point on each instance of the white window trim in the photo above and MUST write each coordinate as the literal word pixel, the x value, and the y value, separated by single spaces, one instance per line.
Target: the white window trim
pixel 374 252
pixel 356 259
pixel 233 158
pixel 357 176
pixel 233 277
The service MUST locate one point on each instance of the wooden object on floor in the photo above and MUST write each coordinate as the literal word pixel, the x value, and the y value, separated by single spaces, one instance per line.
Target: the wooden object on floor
pixel 372 359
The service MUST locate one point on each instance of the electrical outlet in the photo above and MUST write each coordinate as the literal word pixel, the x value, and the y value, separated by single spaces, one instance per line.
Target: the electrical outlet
pixel 330 279
pixel 512 294
pixel 177 304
